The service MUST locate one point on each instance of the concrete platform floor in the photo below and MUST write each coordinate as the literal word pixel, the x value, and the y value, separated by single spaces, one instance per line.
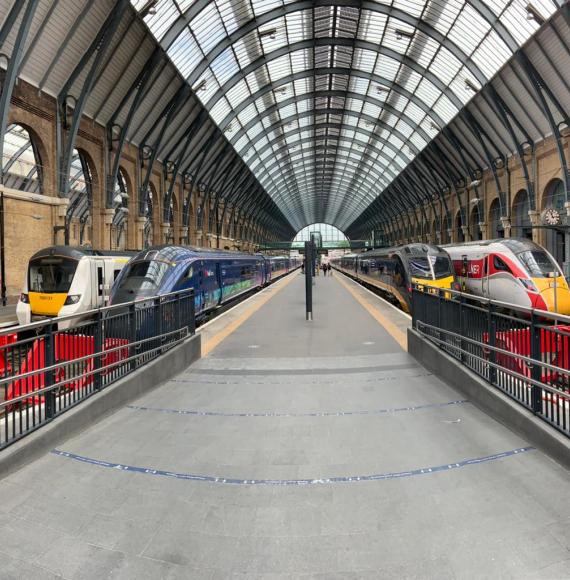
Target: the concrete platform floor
pixel 294 450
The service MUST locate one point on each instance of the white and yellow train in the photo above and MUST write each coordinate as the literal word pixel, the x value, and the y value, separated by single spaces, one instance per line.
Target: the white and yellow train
pixel 64 280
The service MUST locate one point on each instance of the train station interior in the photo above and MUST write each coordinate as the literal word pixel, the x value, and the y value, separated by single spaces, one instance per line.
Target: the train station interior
pixel 284 289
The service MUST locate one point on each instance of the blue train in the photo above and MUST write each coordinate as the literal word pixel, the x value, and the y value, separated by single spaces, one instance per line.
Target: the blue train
pixel 216 276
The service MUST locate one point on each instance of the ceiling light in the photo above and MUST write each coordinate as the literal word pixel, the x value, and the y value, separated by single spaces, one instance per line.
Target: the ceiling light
pixel 534 14
pixel 403 34
pixel 381 89
pixel 271 33
pixel 201 86
pixel 229 128
pixel 470 86
pixel 435 126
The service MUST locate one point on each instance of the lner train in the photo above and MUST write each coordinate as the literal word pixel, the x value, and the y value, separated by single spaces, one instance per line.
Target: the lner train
pixel 215 276
pixel 516 271
pixel 63 280
pixel 394 270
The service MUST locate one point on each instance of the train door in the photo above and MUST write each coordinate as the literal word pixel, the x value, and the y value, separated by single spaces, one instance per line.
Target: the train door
pixel 97 284
pixel 199 287
pixel 485 278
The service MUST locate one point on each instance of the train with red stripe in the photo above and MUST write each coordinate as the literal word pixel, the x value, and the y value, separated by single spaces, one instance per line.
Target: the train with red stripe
pixel 516 271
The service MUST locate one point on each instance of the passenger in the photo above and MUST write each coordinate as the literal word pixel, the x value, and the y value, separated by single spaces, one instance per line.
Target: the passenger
pixel 324 267
pixel 329 268
pixel 302 267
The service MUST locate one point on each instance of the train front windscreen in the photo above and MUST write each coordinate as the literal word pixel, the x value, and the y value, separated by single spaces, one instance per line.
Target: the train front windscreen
pixel 141 280
pixel 430 267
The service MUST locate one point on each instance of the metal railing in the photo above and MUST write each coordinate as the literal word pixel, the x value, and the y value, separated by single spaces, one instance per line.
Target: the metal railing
pixel 53 368
pixel 525 353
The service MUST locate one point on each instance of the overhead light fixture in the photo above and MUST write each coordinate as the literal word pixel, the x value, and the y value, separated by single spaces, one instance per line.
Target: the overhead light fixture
pixel 229 128
pixel 435 126
pixel 148 8
pixel 403 34
pixel 271 33
pixel 534 14
pixel 381 89
pixel 475 183
pixel 200 87
pixel 470 86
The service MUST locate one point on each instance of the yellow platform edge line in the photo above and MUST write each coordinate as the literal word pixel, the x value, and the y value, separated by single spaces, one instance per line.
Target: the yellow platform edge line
pixel 397 334
pixel 263 298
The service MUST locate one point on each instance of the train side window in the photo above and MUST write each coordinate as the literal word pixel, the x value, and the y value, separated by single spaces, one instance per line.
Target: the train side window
pixel 116 274
pixel 100 281
pixel 485 265
pixel 499 265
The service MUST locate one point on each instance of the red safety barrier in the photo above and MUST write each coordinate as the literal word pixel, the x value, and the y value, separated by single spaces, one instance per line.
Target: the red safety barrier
pixel 554 349
pixel 5 341
pixel 68 348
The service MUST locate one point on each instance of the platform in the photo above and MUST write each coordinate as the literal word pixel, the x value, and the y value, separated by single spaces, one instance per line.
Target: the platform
pixel 293 449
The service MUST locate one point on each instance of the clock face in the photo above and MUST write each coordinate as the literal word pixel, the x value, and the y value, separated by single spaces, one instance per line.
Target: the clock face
pixel 551 217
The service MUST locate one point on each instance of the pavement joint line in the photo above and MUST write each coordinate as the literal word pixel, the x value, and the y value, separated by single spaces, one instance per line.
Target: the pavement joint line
pixel 277 414
pixel 297 382
pixel 398 335
pixel 308 371
pixel 290 482
pixel 263 296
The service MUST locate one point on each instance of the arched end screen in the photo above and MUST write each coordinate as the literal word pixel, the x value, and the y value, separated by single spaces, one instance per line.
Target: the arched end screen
pixel 326 232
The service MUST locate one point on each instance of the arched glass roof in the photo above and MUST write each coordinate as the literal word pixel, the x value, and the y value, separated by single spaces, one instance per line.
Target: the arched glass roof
pixel 327 102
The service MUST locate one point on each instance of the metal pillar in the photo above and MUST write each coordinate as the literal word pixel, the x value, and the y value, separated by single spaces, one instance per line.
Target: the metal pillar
pixel 309 281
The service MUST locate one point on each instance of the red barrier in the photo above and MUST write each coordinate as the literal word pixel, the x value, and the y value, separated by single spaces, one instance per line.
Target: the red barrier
pixel 5 341
pixel 554 348
pixel 68 348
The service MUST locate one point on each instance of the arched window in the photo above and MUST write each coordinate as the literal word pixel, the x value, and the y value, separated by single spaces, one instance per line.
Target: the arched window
pixel 495 226
pixel 120 205
pixel 458 228
pixel 474 219
pixel 148 229
pixel 555 198
pixel 521 224
pixel 445 231
pixel 22 163
pixel 80 192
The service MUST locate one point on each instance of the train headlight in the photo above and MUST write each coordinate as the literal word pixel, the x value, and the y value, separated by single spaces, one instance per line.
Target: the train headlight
pixel 529 285
pixel 72 299
pixel 24 298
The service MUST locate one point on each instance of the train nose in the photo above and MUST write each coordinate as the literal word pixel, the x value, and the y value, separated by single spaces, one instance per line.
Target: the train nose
pixel 557 299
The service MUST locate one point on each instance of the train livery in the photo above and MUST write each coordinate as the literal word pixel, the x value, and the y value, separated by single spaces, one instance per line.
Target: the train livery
pixel 517 271
pixel 394 270
pixel 64 280
pixel 215 276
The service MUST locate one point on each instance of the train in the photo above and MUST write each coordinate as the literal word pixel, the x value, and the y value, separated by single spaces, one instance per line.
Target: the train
pixel 513 270
pixel 65 280
pixel 393 271
pixel 216 276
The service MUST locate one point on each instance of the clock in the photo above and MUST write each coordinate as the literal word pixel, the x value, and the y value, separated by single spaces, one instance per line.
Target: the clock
pixel 551 217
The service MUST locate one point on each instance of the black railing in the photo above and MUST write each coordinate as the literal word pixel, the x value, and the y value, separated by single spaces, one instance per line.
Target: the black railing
pixel 67 359
pixel 523 352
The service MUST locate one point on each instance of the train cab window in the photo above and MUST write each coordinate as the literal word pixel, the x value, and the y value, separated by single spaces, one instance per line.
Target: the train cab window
pixel 420 268
pixel 500 265
pixel 538 264
pixel 51 274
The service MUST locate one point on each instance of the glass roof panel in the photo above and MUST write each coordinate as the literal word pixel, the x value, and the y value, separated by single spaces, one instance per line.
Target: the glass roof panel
pixel 410 80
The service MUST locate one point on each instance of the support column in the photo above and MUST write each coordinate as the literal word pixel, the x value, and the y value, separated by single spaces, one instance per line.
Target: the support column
pixel 483 227
pixel 506 223
pixel 466 235
pixel 183 233
pixel 108 215
pixel 567 240
pixel 534 217
pixel 139 223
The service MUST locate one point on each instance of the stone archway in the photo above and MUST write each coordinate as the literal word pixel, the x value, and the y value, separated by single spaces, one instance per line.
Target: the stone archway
pixel 474 221
pixel 495 226
pixel 521 223
pixel 554 197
